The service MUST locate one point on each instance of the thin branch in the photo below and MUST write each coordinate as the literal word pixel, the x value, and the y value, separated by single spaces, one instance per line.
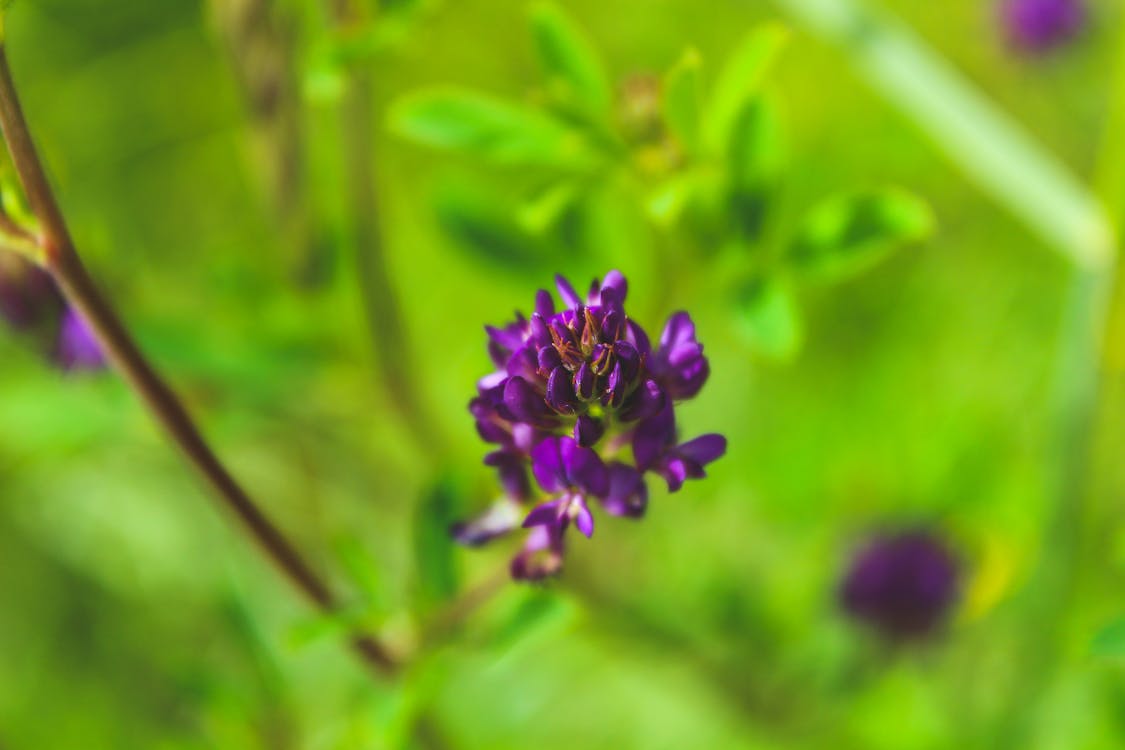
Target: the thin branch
pixel 79 289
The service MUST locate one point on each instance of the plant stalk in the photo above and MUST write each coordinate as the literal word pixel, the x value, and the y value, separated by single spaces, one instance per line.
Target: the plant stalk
pixel 65 266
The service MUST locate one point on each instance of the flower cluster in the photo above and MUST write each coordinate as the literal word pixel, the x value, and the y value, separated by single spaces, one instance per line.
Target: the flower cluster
pixel 31 304
pixel 1038 25
pixel 903 584
pixel 575 391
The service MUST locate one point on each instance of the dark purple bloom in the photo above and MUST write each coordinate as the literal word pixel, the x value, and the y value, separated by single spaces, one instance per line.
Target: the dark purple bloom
pixel 573 388
pixel 77 347
pixel 679 363
pixel 903 584
pixel 28 296
pixel 1038 25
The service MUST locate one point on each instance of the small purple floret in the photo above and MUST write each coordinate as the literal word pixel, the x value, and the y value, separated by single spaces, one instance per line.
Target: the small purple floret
pixel 77 347
pixel 1036 26
pixel 904 584
pixel 574 388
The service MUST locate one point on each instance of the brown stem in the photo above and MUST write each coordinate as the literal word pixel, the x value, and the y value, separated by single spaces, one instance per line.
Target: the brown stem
pixel 78 287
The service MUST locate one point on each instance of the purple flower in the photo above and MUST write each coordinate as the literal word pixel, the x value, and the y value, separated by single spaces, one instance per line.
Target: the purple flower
pixel 77 347
pixel 679 363
pixel 573 388
pixel 904 584
pixel 1038 25
pixel 28 297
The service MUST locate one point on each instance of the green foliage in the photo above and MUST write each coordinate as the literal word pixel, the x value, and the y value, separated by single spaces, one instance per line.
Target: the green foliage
pixel 1109 642
pixel 136 616
pixel 769 317
pixel 847 234
pixel 434 560
pixel 488 128
pixel 740 79
pixel 683 100
pixel 575 75
pixel 489 233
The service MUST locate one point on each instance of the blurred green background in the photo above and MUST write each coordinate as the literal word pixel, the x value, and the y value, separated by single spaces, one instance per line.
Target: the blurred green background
pixel 135 615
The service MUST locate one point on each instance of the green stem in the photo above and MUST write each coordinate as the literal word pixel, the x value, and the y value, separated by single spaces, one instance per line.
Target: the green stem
pixel 80 291
pixel 381 307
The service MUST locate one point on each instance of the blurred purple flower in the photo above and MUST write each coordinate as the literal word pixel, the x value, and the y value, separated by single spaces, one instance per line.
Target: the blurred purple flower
pixel 1039 25
pixel 77 347
pixel 572 389
pixel 28 297
pixel 904 585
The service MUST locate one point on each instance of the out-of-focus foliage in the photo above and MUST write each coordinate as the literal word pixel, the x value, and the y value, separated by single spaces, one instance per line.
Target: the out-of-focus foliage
pixel 724 175
pixel 704 165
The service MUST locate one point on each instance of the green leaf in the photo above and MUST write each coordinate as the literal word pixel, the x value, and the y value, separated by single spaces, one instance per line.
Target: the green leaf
pixel 485 230
pixel 1110 640
pixel 754 161
pixel 850 233
pixel 355 560
pixel 769 317
pixel 755 152
pixel 535 612
pixel 544 209
pixel 988 145
pixel 491 128
pixel 740 79
pixel 668 200
pixel 576 74
pixel 683 99
pixel 434 561
pixel 331 626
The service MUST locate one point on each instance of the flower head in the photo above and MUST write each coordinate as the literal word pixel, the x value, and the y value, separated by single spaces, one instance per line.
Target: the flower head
pixel 31 304
pixel 574 387
pixel 1036 26
pixel 904 584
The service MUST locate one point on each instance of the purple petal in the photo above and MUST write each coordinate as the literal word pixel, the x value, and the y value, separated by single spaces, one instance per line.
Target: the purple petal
pixel 703 449
pixel 523 401
pixel 491 432
pixel 584 519
pixel 544 305
pixel 679 329
pixel 541 556
pixel 652 436
pixel 616 284
pixel 567 293
pixel 636 336
pixel 77 347
pixel 588 430
pixel 524 362
pixel 546 514
pixel 560 392
pixel 643 402
pixel 513 474
pixel 549 359
pixel 538 332
pixel 547 465
pixel 583 467
pixel 628 494
pixel 629 358
pixel 674 471
pixel 498 520
pixel 492 382
pixel 584 382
